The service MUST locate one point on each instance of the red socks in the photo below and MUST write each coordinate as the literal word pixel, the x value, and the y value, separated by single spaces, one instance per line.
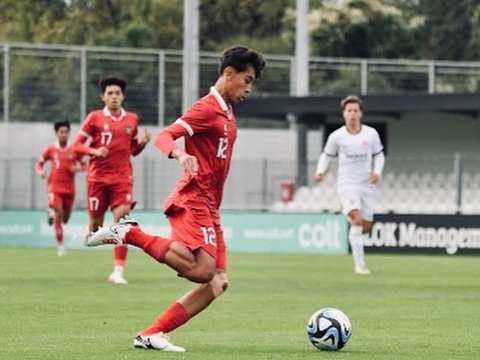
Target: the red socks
pixel 155 246
pixel 58 232
pixel 120 254
pixel 175 316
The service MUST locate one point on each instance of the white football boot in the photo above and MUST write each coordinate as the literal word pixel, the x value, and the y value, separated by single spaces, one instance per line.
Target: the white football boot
pixel 61 250
pixel 362 270
pixel 114 234
pixel 117 278
pixel 158 341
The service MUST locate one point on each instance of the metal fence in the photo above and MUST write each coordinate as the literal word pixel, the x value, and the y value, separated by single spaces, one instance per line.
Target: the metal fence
pixel 42 82
pixel 409 185
pixel 252 184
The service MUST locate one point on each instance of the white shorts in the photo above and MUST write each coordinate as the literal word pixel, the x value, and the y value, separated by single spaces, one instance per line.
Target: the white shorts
pixel 358 198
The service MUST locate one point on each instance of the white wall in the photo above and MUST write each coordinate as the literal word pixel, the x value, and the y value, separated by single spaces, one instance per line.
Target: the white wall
pixel 21 140
pixel 433 136
pixel 414 135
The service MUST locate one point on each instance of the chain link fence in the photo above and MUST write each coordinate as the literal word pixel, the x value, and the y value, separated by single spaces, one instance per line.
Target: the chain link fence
pixel 409 185
pixel 43 82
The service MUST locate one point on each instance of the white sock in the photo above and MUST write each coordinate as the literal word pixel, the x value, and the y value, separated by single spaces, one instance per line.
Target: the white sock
pixel 356 238
pixel 364 240
pixel 118 269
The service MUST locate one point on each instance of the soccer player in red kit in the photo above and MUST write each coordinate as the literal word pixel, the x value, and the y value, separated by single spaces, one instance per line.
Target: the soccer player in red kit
pixel 197 249
pixel 114 139
pixel 61 181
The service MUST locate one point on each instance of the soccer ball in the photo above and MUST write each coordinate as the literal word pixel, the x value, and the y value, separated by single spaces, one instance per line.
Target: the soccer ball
pixel 329 329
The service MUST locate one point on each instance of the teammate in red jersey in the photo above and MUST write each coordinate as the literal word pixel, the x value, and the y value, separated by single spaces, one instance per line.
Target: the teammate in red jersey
pixel 197 249
pixel 61 181
pixel 114 139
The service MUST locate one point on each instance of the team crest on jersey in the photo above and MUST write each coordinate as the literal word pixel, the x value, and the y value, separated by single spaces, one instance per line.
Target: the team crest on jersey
pixel 365 144
pixel 71 155
pixel 129 129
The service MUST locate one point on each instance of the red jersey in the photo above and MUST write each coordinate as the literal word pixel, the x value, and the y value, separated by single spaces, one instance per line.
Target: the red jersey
pixel 62 174
pixel 210 131
pixel 119 135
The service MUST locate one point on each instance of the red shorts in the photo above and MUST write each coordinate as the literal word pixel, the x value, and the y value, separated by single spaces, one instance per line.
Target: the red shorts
pixel 197 228
pixel 101 196
pixel 61 201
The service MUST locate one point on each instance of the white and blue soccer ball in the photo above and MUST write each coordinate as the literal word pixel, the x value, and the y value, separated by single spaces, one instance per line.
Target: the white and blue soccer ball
pixel 329 329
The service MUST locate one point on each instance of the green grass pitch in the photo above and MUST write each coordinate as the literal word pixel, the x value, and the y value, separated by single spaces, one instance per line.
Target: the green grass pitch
pixel 410 307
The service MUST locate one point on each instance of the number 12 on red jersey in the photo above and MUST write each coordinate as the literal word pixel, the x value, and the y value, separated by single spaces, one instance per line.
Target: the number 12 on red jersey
pixel 222 148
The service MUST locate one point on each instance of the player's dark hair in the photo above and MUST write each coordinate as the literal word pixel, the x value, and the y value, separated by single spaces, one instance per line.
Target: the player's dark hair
pixel 60 124
pixel 112 80
pixel 241 57
pixel 351 99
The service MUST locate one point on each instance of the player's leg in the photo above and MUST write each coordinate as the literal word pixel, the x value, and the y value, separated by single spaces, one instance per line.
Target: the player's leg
pixel 195 265
pixel 356 240
pixel 121 205
pixel 119 212
pixel 120 251
pixel 98 201
pixel 366 212
pixel 193 248
pixel 97 205
pixel 56 207
pixel 193 302
pixel 179 312
pixel 62 211
pixel 58 227
pixel 50 211
pixel 68 201
pixel 366 226
pixel 66 215
pixel 351 205
pixel 189 305
pixel 94 222
pixel 191 253
pixel 200 298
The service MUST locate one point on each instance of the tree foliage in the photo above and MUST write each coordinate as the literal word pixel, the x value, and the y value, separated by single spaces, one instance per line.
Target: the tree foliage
pixel 433 29
pixel 411 29
pixel 447 32
pixel 256 22
pixel 23 20
pixel 363 28
pixel 134 23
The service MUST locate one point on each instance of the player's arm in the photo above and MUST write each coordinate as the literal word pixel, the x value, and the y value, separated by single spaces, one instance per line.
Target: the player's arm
pixel 328 152
pixel 378 159
pixel 378 163
pixel 81 148
pixel 322 167
pixel 165 141
pixel 79 145
pixel 80 165
pixel 194 121
pixel 40 162
pixel 139 144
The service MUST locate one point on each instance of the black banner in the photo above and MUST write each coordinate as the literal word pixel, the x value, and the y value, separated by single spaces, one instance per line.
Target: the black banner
pixel 425 234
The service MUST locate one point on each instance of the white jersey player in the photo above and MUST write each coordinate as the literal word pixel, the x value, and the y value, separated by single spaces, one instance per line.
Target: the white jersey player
pixel 360 165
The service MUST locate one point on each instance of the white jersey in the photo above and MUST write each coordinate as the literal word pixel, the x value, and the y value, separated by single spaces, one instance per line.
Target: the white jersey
pixel 355 154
